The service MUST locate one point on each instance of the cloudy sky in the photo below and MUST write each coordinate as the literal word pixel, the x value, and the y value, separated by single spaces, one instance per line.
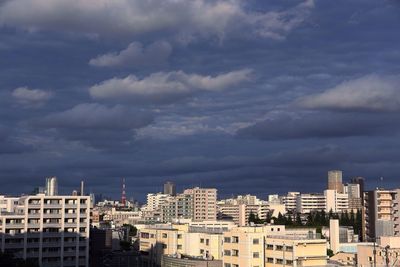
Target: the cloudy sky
pixel 243 95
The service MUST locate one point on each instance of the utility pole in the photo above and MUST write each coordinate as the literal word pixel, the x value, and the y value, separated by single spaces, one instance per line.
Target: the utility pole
pixel 374 252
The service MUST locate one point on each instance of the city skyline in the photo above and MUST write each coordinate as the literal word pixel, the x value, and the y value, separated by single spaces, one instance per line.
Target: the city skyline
pixel 251 97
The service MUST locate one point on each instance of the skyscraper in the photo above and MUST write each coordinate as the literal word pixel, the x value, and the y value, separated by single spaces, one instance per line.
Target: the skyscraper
pixel 335 180
pixel 51 186
pixel 169 188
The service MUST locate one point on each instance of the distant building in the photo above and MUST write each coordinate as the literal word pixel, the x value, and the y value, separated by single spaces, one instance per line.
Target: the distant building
pixel 361 182
pixel 169 188
pixel 335 181
pixel 204 203
pixel 176 208
pixel 51 186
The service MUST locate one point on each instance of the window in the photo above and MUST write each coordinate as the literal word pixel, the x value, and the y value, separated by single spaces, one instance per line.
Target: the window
pixel 270 260
pixel 256 255
pixel 289 248
pixel 202 240
pixel 289 262
pixel 201 251
pixel 164 235
pixel 227 239
pixel 207 242
pixel 179 246
pixel 279 261
pixel 279 247
pixel 164 246
pixel 179 236
pixel 270 247
pixel 256 241
pixel 235 252
pixel 227 265
pixel 227 252
pixel 235 239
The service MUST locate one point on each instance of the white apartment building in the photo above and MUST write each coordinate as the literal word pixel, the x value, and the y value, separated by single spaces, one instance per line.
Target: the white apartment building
pixel 51 230
pixel 306 203
pixel 336 202
pixel 204 203
pixel 155 201
pixel 290 201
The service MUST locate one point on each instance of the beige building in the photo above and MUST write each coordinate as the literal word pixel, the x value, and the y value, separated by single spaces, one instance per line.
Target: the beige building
pixel 294 251
pixel 204 203
pixel 180 239
pixel 387 252
pixel 335 180
pixel 244 246
pixel 175 261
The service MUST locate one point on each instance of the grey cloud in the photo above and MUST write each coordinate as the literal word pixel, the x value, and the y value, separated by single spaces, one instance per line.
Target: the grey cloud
pixel 135 55
pixel 320 125
pixel 371 92
pixel 166 86
pixel 10 143
pixel 31 97
pixel 97 126
pixel 96 116
pixel 207 18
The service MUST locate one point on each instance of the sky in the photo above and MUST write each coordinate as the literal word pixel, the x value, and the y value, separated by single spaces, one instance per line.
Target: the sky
pixel 246 96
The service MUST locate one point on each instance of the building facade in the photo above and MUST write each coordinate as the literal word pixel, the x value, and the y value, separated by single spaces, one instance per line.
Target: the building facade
pixel 50 230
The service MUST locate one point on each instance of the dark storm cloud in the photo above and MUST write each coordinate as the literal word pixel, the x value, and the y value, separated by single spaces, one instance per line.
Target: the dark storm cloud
pixel 161 90
pixel 97 125
pixel 9 144
pixel 322 125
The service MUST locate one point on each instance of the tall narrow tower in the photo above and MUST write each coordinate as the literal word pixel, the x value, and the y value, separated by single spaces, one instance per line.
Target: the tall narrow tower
pixel 123 195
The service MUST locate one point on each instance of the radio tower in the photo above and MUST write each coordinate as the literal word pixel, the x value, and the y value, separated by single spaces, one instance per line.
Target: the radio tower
pixel 123 195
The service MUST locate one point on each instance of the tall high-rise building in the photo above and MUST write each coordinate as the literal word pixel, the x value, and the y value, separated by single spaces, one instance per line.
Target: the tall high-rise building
pixel 379 214
pixel 335 181
pixel 51 186
pixel 204 203
pixel 169 188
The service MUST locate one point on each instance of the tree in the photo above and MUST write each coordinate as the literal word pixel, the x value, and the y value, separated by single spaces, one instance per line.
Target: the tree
pixel 298 220
pixel 131 229
pixel 7 259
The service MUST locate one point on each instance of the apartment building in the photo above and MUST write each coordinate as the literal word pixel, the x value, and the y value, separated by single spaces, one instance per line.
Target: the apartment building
pixel 50 230
pixel 284 250
pixel 176 208
pixel 204 203
pixel 380 214
pixel 396 213
pixel 155 241
pixel 336 202
pixel 239 213
pixel 306 203
pixel 155 201
pixel 387 252
pixel 290 201
pixel 244 246
pixel 273 245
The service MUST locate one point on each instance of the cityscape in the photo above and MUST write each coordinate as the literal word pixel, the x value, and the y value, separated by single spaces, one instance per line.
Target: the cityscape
pixel 344 225
pixel 199 133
